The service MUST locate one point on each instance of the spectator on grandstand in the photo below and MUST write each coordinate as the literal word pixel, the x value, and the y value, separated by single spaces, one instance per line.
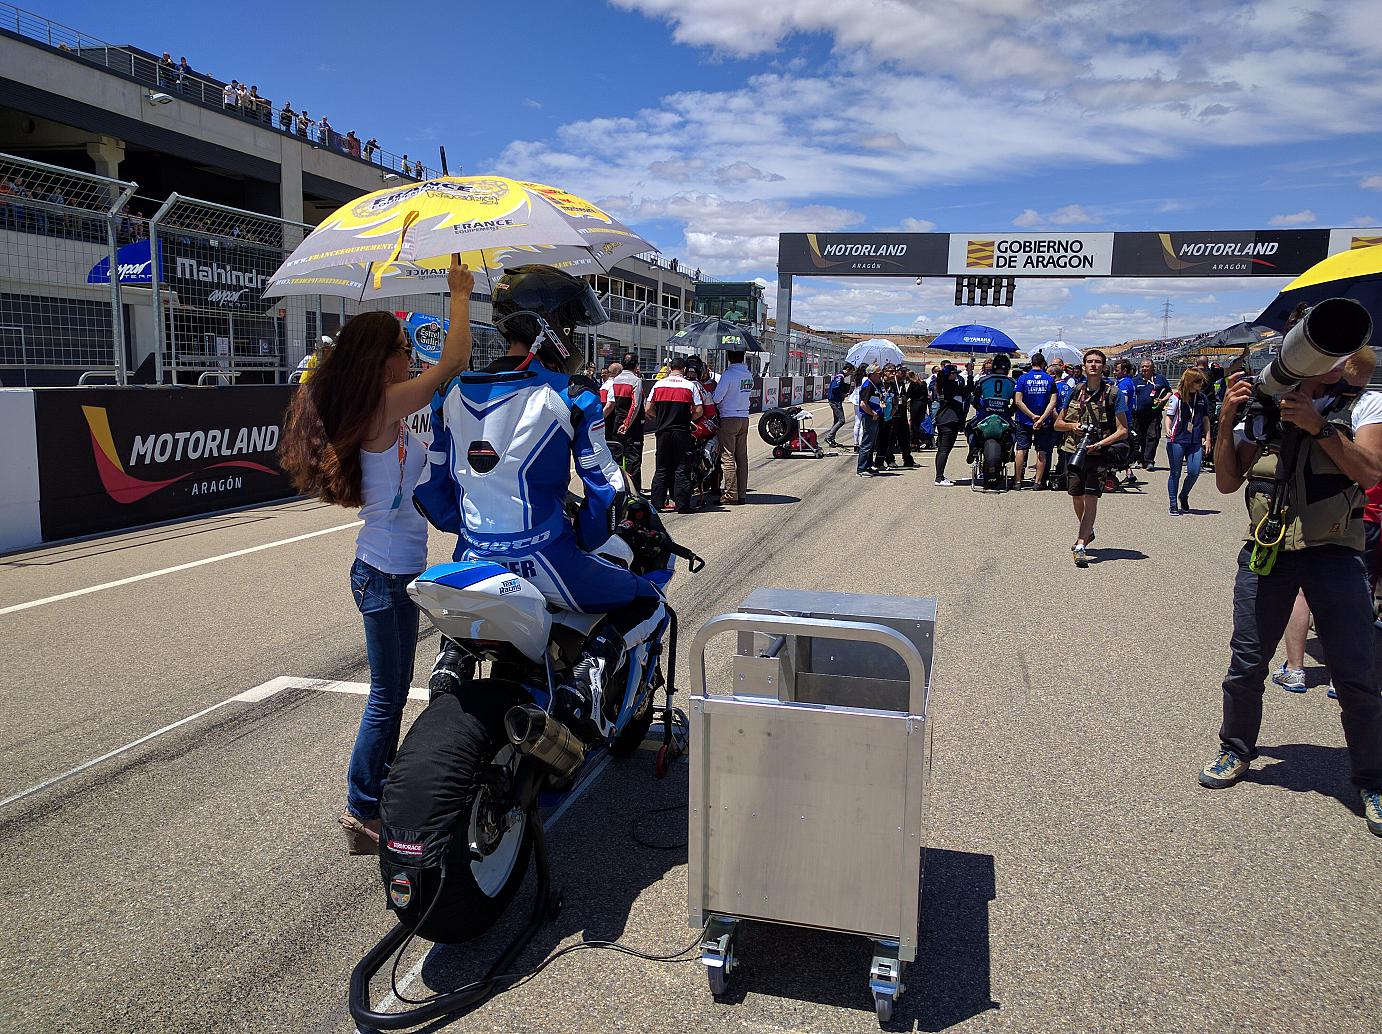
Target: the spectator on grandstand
pixel 304 123
pixel 324 131
pixel 1187 437
pixel 167 71
pixel 371 145
pixel 731 398
pixel 1150 391
pixel 835 395
pixel 1035 402
pixel 184 75
pixel 346 441
pixel 672 405
pixel 230 95
pixel 256 107
pixel 286 117
pixel 352 144
pixel 952 394
pixel 407 169
pixel 418 171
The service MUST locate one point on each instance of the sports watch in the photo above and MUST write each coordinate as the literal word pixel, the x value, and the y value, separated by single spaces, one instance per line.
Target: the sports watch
pixel 1327 431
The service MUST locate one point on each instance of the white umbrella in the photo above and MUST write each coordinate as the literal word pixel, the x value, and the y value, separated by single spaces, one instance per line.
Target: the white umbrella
pixel 876 351
pixel 1068 354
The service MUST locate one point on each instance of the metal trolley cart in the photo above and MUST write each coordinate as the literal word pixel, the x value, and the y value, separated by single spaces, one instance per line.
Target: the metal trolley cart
pixel 808 781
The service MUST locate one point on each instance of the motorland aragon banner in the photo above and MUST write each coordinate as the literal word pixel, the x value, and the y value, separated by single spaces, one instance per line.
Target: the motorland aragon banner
pixel 852 254
pixel 112 458
pixel 1218 252
pixel 1169 253
pixel 1030 254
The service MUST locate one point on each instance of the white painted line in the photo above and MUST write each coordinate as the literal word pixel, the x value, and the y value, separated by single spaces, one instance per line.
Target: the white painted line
pixel 172 570
pixel 587 781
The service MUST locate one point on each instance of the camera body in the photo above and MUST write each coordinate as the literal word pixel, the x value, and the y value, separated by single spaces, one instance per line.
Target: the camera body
pixel 1079 460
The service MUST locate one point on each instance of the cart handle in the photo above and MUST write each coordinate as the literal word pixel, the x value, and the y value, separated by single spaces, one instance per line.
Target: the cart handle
pixel 820 628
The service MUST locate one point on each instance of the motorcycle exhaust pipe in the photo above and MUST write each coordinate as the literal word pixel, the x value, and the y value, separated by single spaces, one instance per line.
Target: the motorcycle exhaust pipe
pixel 534 732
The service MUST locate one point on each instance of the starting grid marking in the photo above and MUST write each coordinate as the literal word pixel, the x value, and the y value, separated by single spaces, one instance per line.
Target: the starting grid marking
pixel 256 695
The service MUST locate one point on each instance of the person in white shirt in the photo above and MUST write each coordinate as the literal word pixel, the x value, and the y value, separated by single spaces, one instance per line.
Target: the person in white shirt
pixel 731 398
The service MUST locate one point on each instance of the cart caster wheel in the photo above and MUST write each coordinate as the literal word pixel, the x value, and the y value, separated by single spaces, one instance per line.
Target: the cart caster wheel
pixel 820 455
pixel 779 453
pixel 660 762
pixel 718 980
pixel 883 1006
pixel 554 905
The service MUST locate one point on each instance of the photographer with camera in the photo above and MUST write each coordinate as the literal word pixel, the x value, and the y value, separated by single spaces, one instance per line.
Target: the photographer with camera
pixel 1094 418
pixel 1306 445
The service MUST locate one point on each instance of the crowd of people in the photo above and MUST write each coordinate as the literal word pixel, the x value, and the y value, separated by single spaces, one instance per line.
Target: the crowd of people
pixel 245 100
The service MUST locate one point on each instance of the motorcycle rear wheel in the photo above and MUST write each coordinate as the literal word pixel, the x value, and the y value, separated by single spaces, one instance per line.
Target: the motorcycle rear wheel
pixel 993 462
pixel 479 884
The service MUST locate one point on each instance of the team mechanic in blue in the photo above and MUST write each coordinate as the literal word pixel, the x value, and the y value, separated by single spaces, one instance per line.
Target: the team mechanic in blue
pixel 500 462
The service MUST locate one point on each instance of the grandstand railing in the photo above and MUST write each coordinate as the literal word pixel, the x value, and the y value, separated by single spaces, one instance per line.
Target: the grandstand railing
pixel 144 68
pixel 56 226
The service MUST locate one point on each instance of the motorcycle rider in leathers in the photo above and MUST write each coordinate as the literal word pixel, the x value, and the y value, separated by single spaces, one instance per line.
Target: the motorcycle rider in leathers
pixel 500 463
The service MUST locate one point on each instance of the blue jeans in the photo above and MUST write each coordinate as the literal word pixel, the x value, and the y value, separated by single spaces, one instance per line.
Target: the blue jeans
pixel 868 439
pixel 1192 457
pixel 391 621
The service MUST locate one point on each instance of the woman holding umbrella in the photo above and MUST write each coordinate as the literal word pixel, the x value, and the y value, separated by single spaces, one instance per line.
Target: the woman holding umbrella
pixel 346 442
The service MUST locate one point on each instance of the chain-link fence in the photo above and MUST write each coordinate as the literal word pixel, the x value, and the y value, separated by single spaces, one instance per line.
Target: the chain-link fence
pixel 60 309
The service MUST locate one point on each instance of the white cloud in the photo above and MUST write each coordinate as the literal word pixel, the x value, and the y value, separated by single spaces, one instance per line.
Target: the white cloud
pixel 909 225
pixel 1371 183
pixel 1295 218
pixel 1067 215
pixel 529 102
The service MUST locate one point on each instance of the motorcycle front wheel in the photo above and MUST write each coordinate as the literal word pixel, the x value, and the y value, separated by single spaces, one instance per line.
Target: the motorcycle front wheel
pixel 463 747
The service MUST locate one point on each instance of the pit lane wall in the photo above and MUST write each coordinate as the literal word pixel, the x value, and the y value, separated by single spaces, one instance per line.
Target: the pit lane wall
pixel 84 461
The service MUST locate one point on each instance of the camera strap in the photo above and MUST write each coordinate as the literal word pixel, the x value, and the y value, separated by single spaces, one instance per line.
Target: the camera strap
pixel 1271 529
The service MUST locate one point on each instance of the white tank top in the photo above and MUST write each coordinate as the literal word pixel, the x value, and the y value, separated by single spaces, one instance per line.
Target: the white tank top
pixel 394 538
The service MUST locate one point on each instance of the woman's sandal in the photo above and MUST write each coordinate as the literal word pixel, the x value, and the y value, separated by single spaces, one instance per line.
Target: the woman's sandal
pixel 362 835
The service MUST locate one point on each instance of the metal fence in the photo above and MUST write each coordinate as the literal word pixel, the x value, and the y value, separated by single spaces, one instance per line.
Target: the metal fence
pixel 190 85
pixel 57 227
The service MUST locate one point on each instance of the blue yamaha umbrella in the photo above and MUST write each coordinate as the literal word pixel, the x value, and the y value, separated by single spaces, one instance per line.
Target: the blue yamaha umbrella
pixel 973 339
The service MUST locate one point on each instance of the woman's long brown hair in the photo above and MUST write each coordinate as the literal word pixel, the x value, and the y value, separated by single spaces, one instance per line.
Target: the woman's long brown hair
pixel 331 415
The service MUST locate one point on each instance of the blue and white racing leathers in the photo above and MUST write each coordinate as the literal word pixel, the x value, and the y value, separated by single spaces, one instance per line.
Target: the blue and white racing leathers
pixel 499 466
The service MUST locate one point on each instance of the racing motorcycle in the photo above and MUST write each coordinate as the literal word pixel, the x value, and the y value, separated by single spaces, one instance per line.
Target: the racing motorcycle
pixel 705 459
pixel 500 738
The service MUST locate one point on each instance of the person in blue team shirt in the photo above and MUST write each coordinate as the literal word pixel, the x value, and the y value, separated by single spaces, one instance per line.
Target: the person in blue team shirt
pixel 1150 391
pixel 835 395
pixel 1036 402
pixel 1127 387
pixel 870 412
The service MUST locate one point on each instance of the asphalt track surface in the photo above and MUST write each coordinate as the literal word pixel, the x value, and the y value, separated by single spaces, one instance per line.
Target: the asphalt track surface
pixel 1077 878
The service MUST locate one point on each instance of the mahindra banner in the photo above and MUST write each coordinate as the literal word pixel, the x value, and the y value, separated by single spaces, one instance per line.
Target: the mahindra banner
pixel 206 273
pixel 112 458
pixel 1152 254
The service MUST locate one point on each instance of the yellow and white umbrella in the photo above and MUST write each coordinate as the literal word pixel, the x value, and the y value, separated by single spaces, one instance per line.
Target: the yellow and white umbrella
pixel 400 241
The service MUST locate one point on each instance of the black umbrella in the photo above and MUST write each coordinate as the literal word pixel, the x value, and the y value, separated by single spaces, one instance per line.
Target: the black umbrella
pixel 715 335
pixel 1239 334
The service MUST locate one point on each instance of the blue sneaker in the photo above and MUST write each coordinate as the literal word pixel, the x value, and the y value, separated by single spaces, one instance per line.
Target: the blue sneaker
pixel 1372 810
pixel 1290 679
pixel 1224 770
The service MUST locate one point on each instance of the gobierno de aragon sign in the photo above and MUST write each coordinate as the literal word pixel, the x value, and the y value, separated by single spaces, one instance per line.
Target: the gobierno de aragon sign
pixel 111 458
pixel 1170 253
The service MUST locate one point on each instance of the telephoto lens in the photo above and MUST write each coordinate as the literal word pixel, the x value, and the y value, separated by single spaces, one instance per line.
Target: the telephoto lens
pixel 1325 336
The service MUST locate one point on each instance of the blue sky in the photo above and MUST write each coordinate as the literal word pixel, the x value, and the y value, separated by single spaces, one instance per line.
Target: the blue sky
pixel 711 125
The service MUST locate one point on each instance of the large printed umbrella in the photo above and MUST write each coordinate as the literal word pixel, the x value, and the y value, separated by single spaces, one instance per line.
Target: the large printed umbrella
pixel 714 335
pixel 400 241
pixel 974 339
pixel 1068 354
pixel 875 351
pixel 1239 334
pixel 1355 274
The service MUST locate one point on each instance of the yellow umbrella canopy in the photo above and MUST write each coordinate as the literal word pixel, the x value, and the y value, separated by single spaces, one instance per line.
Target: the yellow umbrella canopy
pixel 1355 274
pixel 399 241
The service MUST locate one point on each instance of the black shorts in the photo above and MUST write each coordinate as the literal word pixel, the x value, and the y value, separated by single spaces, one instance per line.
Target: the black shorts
pixel 1091 482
